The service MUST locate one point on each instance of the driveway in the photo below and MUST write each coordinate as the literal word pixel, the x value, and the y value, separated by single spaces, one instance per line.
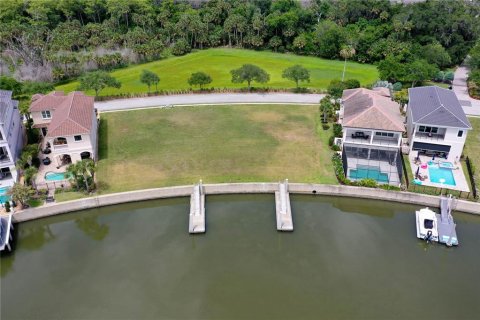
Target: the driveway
pixel 213 98
pixel 472 106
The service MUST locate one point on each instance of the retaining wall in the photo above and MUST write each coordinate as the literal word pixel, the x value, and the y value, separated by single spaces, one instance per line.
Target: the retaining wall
pixel 239 188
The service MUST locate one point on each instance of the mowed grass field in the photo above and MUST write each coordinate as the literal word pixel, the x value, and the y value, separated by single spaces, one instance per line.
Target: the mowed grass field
pixel 242 143
pixel 175 71
pixel 472 146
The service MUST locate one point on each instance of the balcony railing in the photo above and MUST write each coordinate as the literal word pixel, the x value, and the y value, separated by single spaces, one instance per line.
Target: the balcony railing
pixel 4 158
pixel 60 146
pixel 385 141
pixel 430 136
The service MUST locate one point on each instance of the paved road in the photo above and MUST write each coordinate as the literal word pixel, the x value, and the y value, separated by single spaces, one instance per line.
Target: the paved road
pixel 460 88
pixel 213 98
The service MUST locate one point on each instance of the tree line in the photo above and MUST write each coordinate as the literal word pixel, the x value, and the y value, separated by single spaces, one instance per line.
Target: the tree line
pixel 60 39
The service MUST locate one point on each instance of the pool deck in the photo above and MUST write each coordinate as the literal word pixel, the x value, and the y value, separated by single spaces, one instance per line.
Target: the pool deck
pixel 461 183
pixel 40 179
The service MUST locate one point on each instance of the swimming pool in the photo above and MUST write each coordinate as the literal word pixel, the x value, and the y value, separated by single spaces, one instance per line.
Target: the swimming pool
pixel 441 175
pixel 3 194
pixel 367 172
pixel 55 176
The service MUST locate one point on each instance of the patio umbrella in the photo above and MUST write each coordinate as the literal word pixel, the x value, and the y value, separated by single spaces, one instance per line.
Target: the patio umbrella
pixel 418 171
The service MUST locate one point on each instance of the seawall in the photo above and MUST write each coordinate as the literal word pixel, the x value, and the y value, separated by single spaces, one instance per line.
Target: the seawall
pixel 239 188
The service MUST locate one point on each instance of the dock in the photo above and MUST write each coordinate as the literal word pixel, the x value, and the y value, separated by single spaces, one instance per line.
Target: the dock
pixel 6 228
pixel 197 210
pixel 447 233
pixel 283 208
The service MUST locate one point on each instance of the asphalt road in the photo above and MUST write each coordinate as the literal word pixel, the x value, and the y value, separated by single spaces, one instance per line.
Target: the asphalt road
pixel 460 88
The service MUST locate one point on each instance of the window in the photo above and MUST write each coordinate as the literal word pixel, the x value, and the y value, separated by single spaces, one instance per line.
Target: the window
pixel 384 134
pixel 428 129
pixel 46 115
pixel 77 138
pixel 460 133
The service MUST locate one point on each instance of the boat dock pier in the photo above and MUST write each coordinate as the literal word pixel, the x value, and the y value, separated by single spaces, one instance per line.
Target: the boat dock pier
pixel 6 228
pixel 283 208
pixel 445 224
pixel 197 210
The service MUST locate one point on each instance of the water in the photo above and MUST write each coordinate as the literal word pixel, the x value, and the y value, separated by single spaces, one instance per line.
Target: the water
pixel 441 175
pixel 55 176
pixel 366 172
pixel 346 259
pixel 3 195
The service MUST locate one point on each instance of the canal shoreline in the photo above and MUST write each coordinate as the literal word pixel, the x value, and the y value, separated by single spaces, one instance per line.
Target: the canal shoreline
pixel 239 188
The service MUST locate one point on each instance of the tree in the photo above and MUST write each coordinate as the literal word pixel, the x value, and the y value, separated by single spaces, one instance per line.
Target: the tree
pixel 436 54
pixel 21 193
pixel 82 173
pixel 346 53
pixel 149 78
pixel 391 69
pixel 249 73
pixel 296 73
pixel 419 71
pixel 7 83
pixel 199 79
pixel 98 80
pixel 30 173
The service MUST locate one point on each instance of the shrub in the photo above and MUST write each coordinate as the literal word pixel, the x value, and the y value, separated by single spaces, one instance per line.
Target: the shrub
pixel 397 86
pixel 7 206
pixel 352 84
pixel 336 147
pixel 337 130
pixel 181 47
pixel 369 183
pixel 331 140
pixel 325 126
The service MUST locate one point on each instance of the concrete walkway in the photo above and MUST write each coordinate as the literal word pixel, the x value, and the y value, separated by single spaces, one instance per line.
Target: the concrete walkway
pixel 213 98
pixel 461 90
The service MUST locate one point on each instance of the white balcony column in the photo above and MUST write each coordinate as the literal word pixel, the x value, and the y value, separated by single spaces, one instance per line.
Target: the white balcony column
pixel 371 141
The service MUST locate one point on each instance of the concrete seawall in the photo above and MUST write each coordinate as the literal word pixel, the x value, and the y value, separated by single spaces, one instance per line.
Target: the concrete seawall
pixel 239 188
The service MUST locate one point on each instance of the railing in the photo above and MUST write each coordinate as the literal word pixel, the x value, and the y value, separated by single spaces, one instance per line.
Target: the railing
pixel 385 141
pixel 60 146
pixel 471 173
pixel 430 136
pixel 4 158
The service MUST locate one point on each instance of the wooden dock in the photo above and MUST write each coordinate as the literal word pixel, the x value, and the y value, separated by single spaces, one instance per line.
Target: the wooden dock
pixel 283 208
pixel 6 228
pixel 197 210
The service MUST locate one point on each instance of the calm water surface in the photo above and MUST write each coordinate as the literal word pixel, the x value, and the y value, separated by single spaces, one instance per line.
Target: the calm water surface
pixel 347 258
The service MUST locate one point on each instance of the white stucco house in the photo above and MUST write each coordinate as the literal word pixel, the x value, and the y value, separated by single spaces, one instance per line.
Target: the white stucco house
pixel 372 134
pixel 11 138
pixel 436 123
pixel 68 124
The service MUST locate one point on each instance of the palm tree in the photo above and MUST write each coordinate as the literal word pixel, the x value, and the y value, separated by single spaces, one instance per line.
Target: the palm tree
pixel 346 53
pixel 30 173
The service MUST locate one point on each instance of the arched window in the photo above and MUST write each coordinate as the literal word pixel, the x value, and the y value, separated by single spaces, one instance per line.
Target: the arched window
pixel 59 141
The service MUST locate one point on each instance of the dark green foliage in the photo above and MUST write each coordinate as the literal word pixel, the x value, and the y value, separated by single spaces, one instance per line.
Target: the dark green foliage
pixel 397 86
pixel 336 87
pixel 33 87
pixel 33 134
pixel 331 140
pixel 369 183
pixel 394 69
pixel 7 206
pixel 337 130
pixel 98 80
pixel 249 73
pixel 149 78
pixel 199 79
pixel 336 147
pixel 296 73
pixel 325 126
pixel 180 47
pixel 10 84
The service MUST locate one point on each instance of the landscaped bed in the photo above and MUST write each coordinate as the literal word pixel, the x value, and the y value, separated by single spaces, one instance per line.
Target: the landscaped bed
pixel 175 71
pixel 178 146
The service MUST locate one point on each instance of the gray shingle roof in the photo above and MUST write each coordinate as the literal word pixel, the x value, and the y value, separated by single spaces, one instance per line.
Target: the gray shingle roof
pixel 436 106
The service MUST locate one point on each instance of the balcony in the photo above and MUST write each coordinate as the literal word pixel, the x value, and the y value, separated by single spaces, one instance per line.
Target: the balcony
pixel 62 146
pixel 4 157
pixel 385 141
pixel 430 136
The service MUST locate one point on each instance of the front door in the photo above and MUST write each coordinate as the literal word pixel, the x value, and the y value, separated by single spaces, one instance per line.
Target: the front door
pixel 44 132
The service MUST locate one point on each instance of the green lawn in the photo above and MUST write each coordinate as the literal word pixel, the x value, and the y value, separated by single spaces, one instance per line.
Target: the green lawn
pixel 175 71
pixel 472 146
pixel 166 147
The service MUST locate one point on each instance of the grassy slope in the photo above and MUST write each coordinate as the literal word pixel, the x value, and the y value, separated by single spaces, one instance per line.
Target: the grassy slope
pixel 175 71
pixel 166 147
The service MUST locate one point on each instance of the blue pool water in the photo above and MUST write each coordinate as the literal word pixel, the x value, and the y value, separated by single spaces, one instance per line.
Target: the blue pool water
pixel 55 176
pixel 436 173
pixel 3 195
pixel 366 172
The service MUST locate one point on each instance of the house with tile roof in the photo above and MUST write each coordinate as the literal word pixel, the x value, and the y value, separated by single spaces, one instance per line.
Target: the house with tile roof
pixel 68 124
pixel 372 134
pixel 436 123
pixel 11 139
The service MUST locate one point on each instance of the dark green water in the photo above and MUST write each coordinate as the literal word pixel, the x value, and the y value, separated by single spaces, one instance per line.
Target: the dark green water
pixel 346 259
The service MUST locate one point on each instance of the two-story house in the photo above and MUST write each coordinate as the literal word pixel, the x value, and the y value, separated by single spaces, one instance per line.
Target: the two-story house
pixel 372 134
pixel 436 123
pixel 68 124
pixel 11 138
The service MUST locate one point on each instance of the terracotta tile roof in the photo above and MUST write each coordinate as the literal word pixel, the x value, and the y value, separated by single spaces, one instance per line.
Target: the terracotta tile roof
pixel 49 101
pixel 73 112
pixel 370 109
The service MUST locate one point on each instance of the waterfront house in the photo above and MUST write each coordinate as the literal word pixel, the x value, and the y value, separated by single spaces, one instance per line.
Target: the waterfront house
pixel 436 123
pixel 372 134
pixel 11 139
pixel 68 124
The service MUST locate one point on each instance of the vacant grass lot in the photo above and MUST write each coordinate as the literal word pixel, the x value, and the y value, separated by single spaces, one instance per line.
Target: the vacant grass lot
pixel 175 71
pixel 472 146
pixel 166 147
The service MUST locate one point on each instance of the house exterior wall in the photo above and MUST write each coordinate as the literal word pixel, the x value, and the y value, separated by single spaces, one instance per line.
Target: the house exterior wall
pixel 73 148
pixel 373 140
pixel 39 121
pixel 12 141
